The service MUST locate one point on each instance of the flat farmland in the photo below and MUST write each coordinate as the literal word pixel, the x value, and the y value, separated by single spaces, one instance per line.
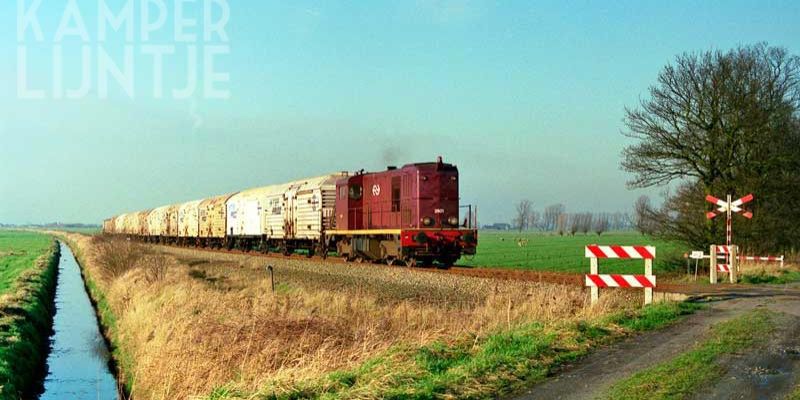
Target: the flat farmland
pixel 18 253
pixel 550 252
pixel 28 264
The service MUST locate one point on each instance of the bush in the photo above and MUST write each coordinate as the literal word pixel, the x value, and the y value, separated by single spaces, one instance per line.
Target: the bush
pixel 155 268
pixel 116 257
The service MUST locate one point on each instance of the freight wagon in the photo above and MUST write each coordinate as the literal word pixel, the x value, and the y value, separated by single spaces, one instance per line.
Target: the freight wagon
pixel 409 216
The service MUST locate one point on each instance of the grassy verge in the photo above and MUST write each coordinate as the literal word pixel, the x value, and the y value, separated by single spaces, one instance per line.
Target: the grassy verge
pixel 684 374
pixel 795 395
pixel 29 268
pixel 778 278
pixel 474 367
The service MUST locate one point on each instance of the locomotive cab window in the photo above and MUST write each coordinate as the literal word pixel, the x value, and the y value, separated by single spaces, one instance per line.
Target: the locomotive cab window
pixel 355 192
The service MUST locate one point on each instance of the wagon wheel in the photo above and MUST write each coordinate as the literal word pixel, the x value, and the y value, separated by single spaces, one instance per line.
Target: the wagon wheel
pixel 411 262
pixel 446 262
pixel 360 259
pixel 321 250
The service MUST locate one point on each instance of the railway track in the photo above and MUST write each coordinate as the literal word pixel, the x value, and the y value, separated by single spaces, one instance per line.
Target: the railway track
pixel 699 290
pixel 493 273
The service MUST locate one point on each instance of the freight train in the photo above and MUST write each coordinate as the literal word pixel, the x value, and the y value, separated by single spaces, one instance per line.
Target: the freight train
pixel 407 216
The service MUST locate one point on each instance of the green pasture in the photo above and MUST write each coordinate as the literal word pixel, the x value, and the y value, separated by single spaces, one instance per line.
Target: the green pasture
pixel 27 292
pixel 551 252
pixel 18 251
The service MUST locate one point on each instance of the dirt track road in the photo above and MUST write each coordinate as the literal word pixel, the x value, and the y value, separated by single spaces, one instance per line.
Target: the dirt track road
pixel 768 371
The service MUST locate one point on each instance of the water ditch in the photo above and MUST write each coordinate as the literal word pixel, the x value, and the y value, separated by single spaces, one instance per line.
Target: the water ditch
pixel 78 363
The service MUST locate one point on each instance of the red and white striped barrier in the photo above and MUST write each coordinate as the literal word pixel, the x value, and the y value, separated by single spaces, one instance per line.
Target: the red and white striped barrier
pixel 766 258
pixel 621 281
pixel 763 258
pixel 755 258
pixel 730 265
pixel 595 280
pixel 639 252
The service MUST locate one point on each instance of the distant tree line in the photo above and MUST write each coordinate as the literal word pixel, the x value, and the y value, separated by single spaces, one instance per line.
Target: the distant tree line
pixel 51 225
pixel 721 122
pixel 555 218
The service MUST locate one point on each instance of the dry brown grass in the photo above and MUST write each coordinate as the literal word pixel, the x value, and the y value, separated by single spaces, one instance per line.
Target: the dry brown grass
pixel 770 268
pixel 193 321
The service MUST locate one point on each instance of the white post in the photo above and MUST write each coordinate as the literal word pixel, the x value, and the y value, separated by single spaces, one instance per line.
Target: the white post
pixel 648 271
pixel 593 270
pixel 782 261
pixel 734 262
pixel 712 270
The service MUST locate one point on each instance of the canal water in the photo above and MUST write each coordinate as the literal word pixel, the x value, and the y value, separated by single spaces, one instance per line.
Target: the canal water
pixel 78 364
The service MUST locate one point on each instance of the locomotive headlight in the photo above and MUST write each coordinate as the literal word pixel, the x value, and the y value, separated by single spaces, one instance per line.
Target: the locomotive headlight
pixel 453 221
pixel 427 221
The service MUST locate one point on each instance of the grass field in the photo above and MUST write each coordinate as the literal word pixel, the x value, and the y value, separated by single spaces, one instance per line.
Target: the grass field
pixel 18 251
pixel 28 264
pixel 566 253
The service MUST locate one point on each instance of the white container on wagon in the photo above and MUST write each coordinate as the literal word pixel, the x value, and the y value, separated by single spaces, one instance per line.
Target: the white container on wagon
pixel 129 221
pixel 272 222
pixel 157 221
pixel 119 224
pixel 309 204
pixel 188 219
pixel 289 211
pixel 245 210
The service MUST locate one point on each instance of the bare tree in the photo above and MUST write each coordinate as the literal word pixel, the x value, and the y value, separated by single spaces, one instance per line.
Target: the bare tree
pixel 573 223
pixel 561 223
pixel 586 222
pixel 551 216
pixel 533 219
pixel 643 216
pixel 523 214
pixel 601 222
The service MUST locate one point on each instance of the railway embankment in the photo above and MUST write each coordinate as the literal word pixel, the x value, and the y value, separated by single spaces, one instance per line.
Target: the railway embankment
pixel 189 323
pixel 28 276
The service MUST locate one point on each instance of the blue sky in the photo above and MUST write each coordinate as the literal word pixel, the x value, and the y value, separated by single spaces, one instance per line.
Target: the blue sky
pixel 527 98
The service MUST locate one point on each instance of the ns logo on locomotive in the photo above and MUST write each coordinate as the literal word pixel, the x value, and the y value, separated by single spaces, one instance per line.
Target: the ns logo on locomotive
pixel 411 218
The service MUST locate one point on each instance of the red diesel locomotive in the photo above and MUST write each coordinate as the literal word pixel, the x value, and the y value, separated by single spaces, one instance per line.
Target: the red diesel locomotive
pixel 408 215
